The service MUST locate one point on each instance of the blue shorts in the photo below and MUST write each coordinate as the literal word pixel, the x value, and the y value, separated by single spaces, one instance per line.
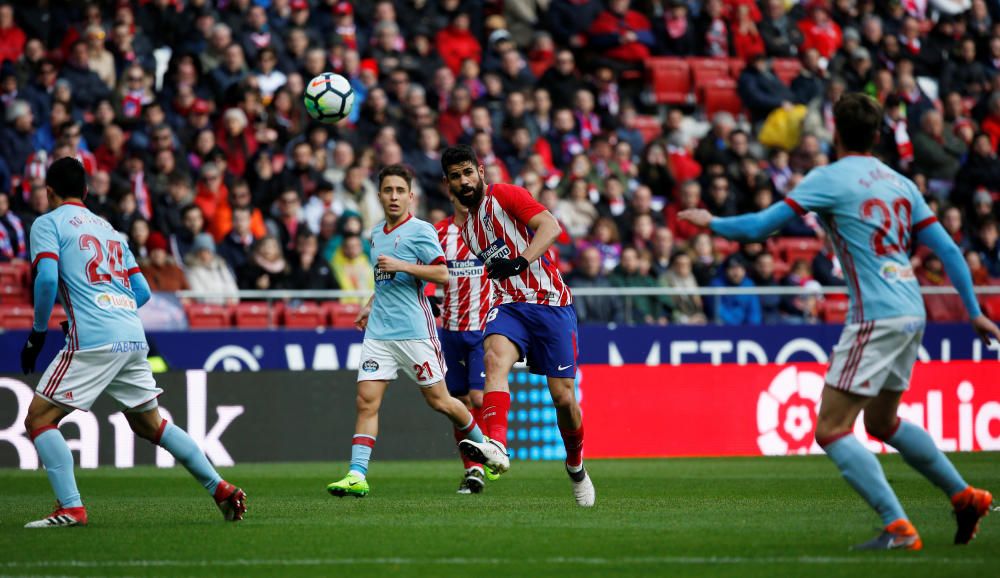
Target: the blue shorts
pixel 463 354
pixel 545 334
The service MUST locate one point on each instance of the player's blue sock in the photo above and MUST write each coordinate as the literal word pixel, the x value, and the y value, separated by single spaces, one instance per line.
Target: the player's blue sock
pixel 182 447
pixel 862 470
pixel 361 452
pixel 918 449
pixel 58 460
pixel 471 431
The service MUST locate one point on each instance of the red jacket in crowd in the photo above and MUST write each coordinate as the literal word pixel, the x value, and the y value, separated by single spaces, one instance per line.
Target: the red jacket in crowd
pixel 608 31
pixel 456 45
pixel 825 39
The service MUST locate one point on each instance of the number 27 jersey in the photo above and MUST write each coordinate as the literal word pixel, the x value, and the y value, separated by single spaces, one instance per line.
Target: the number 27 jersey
pixel 94 267
pixel 871 214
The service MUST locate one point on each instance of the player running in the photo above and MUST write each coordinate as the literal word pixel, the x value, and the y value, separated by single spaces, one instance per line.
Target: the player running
pixel 511 232
pixel 399 327
pixel 467 300
pixel 871 213
pixel 80 256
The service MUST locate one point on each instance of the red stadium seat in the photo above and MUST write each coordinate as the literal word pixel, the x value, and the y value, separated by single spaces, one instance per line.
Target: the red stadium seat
pixel 342 315
pixel 11 274
pixel 792 249
pixel 786 69
pixel 669 80
pixel 57 317
pixel 649 126
pixel 834 311
pixel 725 247
pixel 17 316
pixel 720 94
pixel 305 315
pixel 204 316
pixel 781 268
pixel 704 70
pixel 736 66
pixel 14 295
pixel 253 315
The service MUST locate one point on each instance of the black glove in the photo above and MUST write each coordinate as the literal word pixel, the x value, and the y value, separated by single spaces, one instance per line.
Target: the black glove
pixel 31 350
pixel 435 305
pixel 503 268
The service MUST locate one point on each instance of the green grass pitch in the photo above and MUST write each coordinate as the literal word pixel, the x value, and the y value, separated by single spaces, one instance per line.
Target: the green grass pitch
pixel 766 517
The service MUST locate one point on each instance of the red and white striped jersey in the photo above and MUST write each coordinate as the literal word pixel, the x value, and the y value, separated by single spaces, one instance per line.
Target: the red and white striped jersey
pixel 498 228
pixel 468 294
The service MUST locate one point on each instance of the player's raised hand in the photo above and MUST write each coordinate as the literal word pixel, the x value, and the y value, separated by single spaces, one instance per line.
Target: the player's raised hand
pixel 389 264
pixel 699 217
pixel 986 329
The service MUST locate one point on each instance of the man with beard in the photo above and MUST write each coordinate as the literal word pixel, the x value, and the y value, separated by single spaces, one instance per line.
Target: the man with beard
pixel 511 233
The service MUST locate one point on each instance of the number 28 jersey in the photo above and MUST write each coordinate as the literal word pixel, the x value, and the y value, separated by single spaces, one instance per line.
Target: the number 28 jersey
pixel 94 267
pixel 871 214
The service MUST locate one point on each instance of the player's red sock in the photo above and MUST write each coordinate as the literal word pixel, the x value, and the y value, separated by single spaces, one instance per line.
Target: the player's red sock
pixel 459 436
pixel 495 407
pixel 573 440
pixel 477 414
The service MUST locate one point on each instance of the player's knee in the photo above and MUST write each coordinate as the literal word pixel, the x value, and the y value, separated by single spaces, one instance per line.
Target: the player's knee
pixel 145 429
pixel 879 427
pixel 35 421
pixel 366 404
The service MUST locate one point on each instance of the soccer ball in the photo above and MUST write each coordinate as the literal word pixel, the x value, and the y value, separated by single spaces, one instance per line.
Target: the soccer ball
pixel 329 98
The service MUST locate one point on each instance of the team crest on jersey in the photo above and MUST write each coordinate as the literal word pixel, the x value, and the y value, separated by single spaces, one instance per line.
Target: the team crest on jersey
pixel 396 244
pixel 487 222
pixel 370 365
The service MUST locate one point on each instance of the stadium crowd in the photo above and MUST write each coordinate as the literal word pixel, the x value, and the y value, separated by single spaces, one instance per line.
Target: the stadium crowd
pixel 189 120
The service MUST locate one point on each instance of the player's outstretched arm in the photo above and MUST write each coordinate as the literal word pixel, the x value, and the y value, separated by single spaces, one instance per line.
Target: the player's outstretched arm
pixel 547 230
pixel 435 273
pixel 935 237
pixel 752 227
pixel 46 287
pixel 140 288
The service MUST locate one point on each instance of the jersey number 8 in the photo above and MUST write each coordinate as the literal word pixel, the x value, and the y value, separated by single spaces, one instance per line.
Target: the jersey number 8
pixel 116 261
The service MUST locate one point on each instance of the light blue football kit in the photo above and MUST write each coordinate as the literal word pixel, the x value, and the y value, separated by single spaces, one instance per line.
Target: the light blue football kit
pixel 871 214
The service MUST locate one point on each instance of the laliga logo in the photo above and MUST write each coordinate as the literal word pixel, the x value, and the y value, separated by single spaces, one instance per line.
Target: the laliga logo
pixel 786 413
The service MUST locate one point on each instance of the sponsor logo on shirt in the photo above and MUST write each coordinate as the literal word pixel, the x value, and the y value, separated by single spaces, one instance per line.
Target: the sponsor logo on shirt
pixel 465 268
pixel 370 366
pixel 383 276
pixel 894 272
pixel 496 249
pixel 128 346
pixel 107 301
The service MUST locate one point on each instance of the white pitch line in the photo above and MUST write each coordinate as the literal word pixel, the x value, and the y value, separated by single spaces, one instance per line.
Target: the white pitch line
pixel 645 560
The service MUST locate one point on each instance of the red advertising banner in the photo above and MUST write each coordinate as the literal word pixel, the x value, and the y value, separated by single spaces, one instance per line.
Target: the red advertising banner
pixel 751 410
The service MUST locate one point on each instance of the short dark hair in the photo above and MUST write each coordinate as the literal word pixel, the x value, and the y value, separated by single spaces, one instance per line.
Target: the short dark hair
pixel 395 171
pixel 67 178
pixel 457 155
pixel 858 118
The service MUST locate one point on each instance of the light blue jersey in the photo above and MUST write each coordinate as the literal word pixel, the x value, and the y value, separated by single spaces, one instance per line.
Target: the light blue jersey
pixel 871 213
pixel 94 264
pixel 401 309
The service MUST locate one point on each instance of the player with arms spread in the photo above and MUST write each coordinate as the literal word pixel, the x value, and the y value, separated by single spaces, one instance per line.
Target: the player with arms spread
pixel 511 232
pixel 399 328
pixel 467 300
pixel 871 213
pixel 82 258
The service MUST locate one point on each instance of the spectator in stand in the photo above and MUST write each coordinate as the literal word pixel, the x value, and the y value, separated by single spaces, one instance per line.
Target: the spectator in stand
pixel 661 251
pixel 208 273
pixel 781 36
pixel 159 268
pixel 236 137
pixel 937 153
pixel 15 241
pixel 138 235
pixel 940 308
pixel 762 275
pixel 639 309
pixel 988 246
pixel 622 35
pixel 357 194
pixel 686 308
pixel 810 83
pixel 991 123
pixel 965 73
pixel 760 90
pixel 88 88
pixel 982 206
pixel 301 177
pixel 747 41
pixel 577 212
pixel 675 33
pixel 309 270
pixel 286 222
pixel 12 38
pixel 712 147
pixel 569 21
pixel 182 240
pixel 266 268
pixel 720 199
pixel 981 170
pixel 211 194
pixel 17 141
pixel 951 220
pixel 858 73
pixel 732 309
pixel 605 238
pixel 980 276
pixel 654 170
pixel 457 43
pixel 99 58
pixel 705 264
pixel 235 247
pixel 819 31
pixel 690 198
pixel 352 268
pixel 589 273
pixel 712 30
pixel 826 266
